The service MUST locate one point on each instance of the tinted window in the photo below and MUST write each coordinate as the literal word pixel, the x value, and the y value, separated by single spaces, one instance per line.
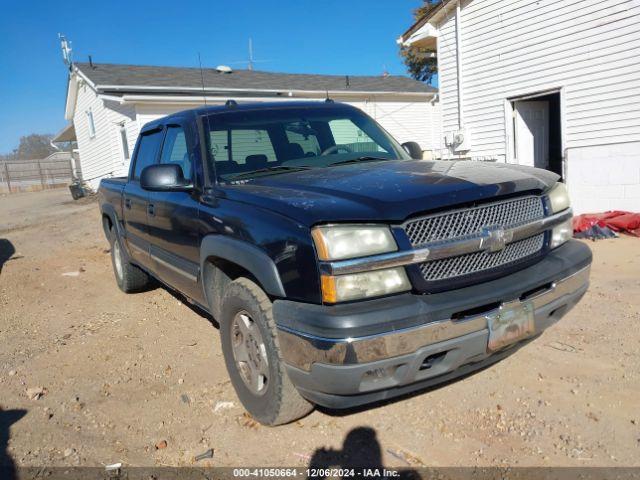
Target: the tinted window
pixel 245 143
pixel 175 150
pixel 219 145
pixel 302 134
pixel 347 133
pixel 251 142
pixel 147 151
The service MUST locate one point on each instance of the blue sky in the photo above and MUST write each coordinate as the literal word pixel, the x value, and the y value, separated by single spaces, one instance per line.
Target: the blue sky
pixel 338 37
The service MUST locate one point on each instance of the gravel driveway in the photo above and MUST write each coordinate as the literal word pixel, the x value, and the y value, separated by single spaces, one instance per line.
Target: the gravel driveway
pixel 91 376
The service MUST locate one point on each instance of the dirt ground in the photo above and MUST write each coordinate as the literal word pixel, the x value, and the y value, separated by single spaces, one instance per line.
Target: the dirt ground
pixel 91 376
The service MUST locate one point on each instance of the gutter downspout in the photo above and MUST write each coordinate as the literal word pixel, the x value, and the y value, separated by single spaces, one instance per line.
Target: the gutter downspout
pixel 459 66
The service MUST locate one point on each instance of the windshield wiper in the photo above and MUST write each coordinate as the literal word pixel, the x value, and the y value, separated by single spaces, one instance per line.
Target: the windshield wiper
pixel 270 170
pixel 365 158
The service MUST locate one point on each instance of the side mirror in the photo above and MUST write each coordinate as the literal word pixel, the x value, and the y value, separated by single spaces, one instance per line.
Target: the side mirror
pixel 413 149
pixel 166 177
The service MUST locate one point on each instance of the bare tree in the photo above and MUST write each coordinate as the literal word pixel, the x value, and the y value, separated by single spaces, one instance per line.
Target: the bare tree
pixel 31 147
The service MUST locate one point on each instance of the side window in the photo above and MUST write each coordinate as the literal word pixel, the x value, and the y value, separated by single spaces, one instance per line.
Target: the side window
pixel 122 130
pixel 247 143
pixel 175 150
pixel 147 152
pixel 91 124
pixel 347 133
pixel 219 146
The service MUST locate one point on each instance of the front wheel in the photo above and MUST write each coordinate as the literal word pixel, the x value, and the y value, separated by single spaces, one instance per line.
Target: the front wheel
pixel 252 356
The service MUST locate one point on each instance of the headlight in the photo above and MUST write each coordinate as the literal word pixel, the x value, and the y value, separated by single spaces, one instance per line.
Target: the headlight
pixel 342 288
pixel 349 241
pixel 561 233
pixel 558 198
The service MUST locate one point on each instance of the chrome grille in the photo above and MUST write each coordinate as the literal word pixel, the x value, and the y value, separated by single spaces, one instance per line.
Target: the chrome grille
pixel 470 221
pixel 480 261
pixel 456 223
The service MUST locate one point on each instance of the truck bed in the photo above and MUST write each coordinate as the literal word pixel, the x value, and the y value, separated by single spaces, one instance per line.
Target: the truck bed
pixel 110 192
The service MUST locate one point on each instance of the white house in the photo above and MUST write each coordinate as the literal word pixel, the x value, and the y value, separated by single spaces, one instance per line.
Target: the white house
pixel 108 104
pixel 545 83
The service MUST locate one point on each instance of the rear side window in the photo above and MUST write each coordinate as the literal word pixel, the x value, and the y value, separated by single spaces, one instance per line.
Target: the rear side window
pixel 147 152
pixel 175 150
pixel 248 143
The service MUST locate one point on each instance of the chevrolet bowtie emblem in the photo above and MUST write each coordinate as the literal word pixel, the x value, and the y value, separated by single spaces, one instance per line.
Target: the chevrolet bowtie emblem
pixel 495 239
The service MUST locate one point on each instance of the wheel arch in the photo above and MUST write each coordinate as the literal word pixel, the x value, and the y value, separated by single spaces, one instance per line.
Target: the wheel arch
pixel 223 259
pixel 109 220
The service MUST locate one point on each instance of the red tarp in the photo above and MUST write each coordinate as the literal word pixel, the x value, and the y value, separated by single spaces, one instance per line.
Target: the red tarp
pixel 616 220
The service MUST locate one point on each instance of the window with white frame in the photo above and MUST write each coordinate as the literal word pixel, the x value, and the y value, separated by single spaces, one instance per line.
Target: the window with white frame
pixel 122 130
pixel 92 125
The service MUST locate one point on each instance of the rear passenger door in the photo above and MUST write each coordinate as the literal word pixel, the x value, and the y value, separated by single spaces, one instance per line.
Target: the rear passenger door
pixel 136 200
pixel 173 218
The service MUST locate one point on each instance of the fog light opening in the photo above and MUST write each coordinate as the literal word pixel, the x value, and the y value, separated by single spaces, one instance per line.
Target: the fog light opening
pixel 433 360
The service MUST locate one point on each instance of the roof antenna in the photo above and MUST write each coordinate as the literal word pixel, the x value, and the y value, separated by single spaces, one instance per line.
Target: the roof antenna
pixel 66 50
pixel 204 95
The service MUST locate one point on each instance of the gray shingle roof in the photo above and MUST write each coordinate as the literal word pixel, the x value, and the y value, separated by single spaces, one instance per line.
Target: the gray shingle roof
pixel 104 75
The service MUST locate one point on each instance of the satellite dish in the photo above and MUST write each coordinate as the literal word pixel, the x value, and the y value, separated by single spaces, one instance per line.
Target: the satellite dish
pixel 224 69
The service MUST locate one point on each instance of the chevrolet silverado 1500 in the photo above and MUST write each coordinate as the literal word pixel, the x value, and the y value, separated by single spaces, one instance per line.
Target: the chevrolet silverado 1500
pixel 341 269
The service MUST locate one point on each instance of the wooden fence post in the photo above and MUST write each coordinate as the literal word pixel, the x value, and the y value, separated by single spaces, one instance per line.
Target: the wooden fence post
pixel 40 173
pixel 6 170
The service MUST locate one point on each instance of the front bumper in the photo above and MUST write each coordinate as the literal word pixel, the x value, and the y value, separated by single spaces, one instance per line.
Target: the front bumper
pixel 345 355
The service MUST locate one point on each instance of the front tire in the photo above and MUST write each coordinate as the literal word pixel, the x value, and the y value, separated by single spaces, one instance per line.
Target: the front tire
pixel 252 356
pixel 128 277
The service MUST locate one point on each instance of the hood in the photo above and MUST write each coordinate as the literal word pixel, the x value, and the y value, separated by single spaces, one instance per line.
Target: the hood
pixel 388 191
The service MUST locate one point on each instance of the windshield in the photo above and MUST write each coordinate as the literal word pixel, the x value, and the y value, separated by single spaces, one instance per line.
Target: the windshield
pixel 248 144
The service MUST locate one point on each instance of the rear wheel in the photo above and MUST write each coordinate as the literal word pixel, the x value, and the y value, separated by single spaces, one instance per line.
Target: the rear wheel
pixel 252 355
pixel 129 278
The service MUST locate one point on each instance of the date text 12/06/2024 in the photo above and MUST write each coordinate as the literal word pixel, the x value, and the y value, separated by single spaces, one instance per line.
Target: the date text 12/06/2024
pixel 315 472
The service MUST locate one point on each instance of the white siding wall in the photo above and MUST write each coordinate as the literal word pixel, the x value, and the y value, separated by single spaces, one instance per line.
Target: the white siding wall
pixel 148 113
pixel 406 121
pixel 586 48
pixel 101 156
pixel 412 120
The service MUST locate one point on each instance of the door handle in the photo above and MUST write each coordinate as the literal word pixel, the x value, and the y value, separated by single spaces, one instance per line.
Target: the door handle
pixel 151 209
pixel 127 203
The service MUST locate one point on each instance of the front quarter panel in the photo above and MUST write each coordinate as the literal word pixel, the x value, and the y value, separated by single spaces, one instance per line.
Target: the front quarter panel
pixel 287 243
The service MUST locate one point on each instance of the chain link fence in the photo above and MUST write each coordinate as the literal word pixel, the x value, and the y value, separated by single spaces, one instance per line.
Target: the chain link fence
pixel 55 171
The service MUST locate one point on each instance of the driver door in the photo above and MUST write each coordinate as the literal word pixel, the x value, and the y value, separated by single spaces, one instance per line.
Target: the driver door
pixel 173 218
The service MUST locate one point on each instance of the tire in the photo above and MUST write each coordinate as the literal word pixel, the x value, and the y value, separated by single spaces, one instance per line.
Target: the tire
pixel 247 319
pixel 129 278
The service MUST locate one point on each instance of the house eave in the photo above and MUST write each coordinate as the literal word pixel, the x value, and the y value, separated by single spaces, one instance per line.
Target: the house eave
pixel 128 90
pixel 424 37
pixel 67 134
pixel 412 37
pixel 70 101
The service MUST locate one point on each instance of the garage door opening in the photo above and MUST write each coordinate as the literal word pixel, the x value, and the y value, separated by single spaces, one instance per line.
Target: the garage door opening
pixel 537 135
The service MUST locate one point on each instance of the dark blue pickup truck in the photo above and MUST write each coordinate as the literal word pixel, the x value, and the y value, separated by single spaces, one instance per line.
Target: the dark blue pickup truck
pixel 341 270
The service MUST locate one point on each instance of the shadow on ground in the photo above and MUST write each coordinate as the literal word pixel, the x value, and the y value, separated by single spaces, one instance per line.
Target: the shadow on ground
pixel 360 450
pixel 7 418
pixel 6 251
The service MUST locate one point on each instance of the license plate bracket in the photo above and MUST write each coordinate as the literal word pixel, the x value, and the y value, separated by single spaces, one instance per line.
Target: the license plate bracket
pixel 512 322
